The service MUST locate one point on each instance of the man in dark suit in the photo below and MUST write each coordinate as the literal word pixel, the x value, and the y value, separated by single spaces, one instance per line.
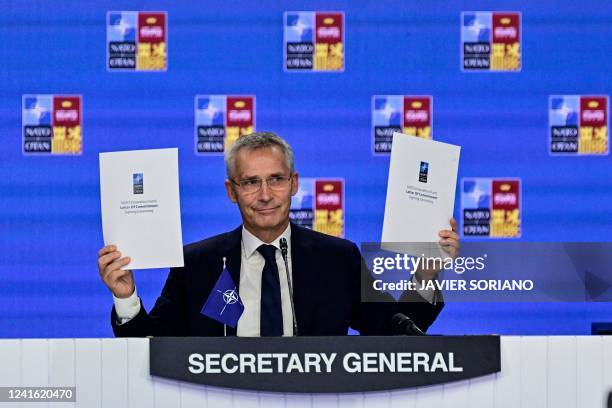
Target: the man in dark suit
pixel 324 276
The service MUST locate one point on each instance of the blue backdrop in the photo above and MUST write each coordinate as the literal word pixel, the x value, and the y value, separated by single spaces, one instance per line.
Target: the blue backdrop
pixel 50 229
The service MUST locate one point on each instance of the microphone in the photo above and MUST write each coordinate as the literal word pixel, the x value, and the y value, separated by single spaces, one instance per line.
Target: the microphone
pixel 283 248
pixel 404 325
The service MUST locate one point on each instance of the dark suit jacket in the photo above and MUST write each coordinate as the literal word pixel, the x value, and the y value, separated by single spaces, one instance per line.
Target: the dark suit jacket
pixel 326 289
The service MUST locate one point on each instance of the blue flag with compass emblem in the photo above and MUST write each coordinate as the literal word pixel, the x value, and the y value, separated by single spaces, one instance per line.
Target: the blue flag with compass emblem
pixel 223 303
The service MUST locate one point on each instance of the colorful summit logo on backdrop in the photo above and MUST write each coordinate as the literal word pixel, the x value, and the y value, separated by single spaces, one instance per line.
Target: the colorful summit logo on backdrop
pixel 408 114
pixel 314 41
pixel 491 207
pixel 491 41
pixel 578 124
pixel 319 205
pixel 52 124
pixel 221 119
pixel 136 41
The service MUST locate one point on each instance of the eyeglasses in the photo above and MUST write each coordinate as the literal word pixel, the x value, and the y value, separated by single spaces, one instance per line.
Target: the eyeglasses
pixel 253 185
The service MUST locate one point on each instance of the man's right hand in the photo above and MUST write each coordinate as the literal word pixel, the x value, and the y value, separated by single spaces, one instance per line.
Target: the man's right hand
pixel 120 282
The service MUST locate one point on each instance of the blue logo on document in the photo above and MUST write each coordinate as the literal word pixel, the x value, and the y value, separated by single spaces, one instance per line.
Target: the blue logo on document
pixel 423 172
pixel 138 183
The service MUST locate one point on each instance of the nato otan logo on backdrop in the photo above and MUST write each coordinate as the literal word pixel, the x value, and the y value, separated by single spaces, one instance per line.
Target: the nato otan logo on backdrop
pixel 136 41
pixel 319 205
pixel 52 124
pixel 408 114
pixel 314 41
pixel 491 41
pixel 221 119
pixel 578 124
pixel 491 207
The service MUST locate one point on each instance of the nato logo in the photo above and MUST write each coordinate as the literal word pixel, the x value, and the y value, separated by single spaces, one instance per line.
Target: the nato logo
pixel 476 206
pixel 564 111
pixel 230 297
pixel 302 204
pixel 210 110
pixel 122 26
pixel 423 172
pixel 476 27
pixel 137 179
pixel 210 123
pixel 299 41
pixel 387 112
pixel 37 125
pixel 37 110
pixel 299 27
pixel 304 196
pixel 476 40
pixel 121 40
pixel 477 193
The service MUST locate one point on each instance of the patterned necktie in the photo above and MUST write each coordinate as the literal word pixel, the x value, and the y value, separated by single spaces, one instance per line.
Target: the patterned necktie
pixel 271 318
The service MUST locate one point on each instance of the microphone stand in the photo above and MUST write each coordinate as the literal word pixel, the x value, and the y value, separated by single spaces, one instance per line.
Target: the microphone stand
pixel 283 248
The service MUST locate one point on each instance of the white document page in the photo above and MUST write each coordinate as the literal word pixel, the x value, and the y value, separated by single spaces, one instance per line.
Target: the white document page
pixel 141 213
pixel 421 189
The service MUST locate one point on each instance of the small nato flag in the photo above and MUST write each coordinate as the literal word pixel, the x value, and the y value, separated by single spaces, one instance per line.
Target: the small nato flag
pixel 223 303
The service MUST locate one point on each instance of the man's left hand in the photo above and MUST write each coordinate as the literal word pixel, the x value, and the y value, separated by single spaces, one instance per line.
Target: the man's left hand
pixel 449 240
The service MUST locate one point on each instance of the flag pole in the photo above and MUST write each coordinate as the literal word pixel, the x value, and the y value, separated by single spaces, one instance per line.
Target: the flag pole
pixel 224 326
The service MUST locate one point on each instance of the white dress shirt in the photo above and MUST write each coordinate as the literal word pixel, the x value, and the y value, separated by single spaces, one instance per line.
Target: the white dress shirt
pixel 249 288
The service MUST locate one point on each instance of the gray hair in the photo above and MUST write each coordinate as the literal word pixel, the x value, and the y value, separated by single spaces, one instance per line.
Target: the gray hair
pixel 257 140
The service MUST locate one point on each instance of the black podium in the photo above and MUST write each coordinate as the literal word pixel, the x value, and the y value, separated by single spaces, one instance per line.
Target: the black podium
pixel 324 364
